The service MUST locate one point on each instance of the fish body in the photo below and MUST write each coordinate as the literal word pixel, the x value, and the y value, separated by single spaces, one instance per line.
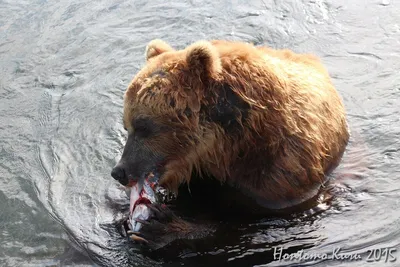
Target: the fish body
pixel 142 194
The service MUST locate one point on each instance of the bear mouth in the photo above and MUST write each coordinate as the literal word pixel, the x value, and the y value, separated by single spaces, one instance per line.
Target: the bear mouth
pixel 142 192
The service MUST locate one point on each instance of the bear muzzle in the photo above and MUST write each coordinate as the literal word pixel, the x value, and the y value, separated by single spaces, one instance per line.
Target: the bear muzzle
pixel 118 173
pixel 126 175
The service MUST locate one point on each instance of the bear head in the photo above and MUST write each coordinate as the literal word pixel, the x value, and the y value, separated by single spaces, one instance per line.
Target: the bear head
pixel 178 113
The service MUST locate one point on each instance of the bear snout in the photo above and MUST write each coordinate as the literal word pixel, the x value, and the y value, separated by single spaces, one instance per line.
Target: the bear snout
pixel 118 173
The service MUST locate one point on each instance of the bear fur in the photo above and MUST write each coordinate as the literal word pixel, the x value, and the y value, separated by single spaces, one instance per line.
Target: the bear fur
pixel 267 122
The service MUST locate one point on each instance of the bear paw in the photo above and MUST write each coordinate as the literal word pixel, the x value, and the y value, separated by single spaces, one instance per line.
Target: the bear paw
pixel 162 228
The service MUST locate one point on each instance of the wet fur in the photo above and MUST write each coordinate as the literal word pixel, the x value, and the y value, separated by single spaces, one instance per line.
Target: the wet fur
pixel 276 137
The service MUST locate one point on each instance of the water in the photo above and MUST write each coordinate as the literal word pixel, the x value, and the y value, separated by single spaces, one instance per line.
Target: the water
pixel 64 67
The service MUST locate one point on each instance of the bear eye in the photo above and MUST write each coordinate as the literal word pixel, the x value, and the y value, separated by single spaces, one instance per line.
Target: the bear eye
pixel 143 127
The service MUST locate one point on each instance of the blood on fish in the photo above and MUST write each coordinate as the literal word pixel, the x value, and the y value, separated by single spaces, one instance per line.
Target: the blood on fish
pixel 143 193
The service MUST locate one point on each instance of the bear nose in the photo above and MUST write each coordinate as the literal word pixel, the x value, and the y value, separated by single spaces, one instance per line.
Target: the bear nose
pixel 118 173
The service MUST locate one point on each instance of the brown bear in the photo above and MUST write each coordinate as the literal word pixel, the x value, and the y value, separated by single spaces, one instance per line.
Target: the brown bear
pixel 267 123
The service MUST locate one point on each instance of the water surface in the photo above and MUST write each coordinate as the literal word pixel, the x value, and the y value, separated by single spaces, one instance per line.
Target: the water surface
pixel 64 67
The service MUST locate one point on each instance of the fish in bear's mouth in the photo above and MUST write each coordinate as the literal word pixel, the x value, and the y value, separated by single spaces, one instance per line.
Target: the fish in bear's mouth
pixel 143 192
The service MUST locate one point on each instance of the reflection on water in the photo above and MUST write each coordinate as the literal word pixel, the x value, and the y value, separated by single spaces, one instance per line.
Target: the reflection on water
pixel 64 68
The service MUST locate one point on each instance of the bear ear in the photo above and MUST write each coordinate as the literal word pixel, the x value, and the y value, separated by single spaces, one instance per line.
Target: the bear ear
pixel 203 59
pixel 157 47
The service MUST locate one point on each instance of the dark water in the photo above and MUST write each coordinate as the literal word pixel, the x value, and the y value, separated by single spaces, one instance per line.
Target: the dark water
pixel 64 66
